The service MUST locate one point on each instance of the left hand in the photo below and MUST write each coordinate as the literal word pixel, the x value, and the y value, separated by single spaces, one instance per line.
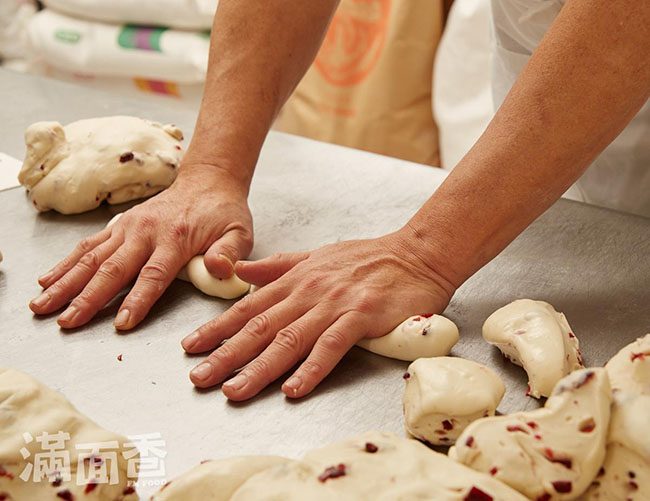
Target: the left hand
pixel 315 306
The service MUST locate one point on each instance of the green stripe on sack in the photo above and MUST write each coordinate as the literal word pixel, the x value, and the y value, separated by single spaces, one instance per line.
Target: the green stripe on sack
pixel 67 36
pixel 140 37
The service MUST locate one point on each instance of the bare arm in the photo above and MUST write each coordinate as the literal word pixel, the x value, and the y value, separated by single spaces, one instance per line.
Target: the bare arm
pixel 259 52
pixel 585 82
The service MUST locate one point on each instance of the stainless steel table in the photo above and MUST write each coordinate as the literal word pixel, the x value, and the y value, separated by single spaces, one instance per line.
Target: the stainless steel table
pixel 591 263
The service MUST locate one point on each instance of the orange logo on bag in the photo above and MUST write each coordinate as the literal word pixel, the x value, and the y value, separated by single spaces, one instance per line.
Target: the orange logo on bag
pixel 354 41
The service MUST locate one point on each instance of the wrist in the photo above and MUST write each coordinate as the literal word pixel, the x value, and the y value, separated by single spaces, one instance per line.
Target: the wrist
pixel 212 177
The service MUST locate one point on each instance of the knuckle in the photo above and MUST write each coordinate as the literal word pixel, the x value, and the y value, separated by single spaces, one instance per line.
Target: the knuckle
pixel 260 368
pixel 224 355
pixel 290 340
pixel 243 307
pixel 337 293
pixel 90 260
pixel 154 272
pixel 334 341
pixel 180 230
pixel 311 284
pixel 365 303
pixel 259 326
pixel 146 223
pixel 312 368
pixel 85 245
pixel 111 270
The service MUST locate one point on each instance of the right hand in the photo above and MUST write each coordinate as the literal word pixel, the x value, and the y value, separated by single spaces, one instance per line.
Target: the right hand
pixel 203 212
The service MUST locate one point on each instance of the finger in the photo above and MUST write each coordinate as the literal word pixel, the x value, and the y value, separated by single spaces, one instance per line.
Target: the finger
pixel 328 351
pixel 64 266
pixel 153 280
pixel 268 269
pixel 210 335
pixel 111 277
pixel 243 347
pixel 230 248
pixel 73 282
pixel 290 345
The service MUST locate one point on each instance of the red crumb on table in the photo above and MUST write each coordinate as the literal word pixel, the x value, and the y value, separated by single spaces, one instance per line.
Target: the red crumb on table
pixel 406 375
pixel 128 490
pixel 332 472
pixel 5 473
pixel 119 357
pixel 65 494
pixel 91 486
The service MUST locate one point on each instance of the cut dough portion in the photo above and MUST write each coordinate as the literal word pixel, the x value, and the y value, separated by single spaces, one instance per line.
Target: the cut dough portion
pixel 538 338
pixel 444 395
pixel 73 169
pixel 373 466
pixel 626 471
pixel 196 273
pixel 549 453
pixel 27 410
pixel 420 336
pixel 215 480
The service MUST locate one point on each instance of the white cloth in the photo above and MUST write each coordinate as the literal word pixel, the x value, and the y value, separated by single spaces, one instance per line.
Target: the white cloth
pixel 620 177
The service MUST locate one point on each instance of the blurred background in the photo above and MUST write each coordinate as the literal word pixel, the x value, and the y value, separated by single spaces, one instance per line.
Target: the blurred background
pixel 404 78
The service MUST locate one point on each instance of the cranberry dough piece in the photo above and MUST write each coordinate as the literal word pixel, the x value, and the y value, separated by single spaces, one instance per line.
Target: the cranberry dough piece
pixel 626 471
pixel 443 395
pixel 73 169
pixel 28 407
pixel 538 338
pixel 373 466
pixel 420 336
pixel 215 480
pixel 197 274
pixel 549 453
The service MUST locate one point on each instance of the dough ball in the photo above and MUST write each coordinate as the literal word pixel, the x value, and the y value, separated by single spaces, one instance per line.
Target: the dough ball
pixel 73 169
pixel 443 395
pixel 373 466
pixel 538 338
pixel 625 474
pixel 549 453
pixel 420 336
pixel 215 480
pixel 196 273
pixel 28 407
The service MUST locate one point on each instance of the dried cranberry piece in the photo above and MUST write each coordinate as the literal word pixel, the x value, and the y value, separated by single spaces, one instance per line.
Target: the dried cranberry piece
pixel 633 485
pixel 42 167
pixel 91 486
pixel 406 375
pixel 476 494
pixel 5 473
pixel 470 441
pixel 119 357
pixel 371 448
pixel 447 425
pixel 177 147
pixel 4 496
pixel 544 497
pixel 332 472
pixel 533 425
pixel 587 426
pixel 494 470
pixel 126 157
pixel 641 356
pixel 571 335
pixel 57 481
pixel 65 494
pixel 562 486
pixel 631 474
pixel 537 436
pixel 601 472
pixel 426 315
pixel 564 461
pixel 417 319
pixel 128 490
pixel 586 377
pixel 516 427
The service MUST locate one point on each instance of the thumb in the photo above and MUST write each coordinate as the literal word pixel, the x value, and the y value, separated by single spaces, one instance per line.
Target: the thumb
pixel 268 269
pixel 225 252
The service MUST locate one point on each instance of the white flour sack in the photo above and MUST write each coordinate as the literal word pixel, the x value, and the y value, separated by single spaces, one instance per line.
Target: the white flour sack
pixel 87 47
pixel 186 14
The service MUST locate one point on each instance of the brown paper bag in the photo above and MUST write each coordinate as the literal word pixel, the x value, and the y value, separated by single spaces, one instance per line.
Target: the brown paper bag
pixel 370 85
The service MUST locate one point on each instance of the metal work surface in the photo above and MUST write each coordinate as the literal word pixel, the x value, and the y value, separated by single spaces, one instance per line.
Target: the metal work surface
pixel 590 263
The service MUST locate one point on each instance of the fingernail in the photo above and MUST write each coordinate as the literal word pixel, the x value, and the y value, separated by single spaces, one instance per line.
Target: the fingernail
pixel 293 383
pixel 237 383
pixel 46 277
pixel 122 318
pixel 41 300
pixel 68 315
pixel 202 371
pixel 189 342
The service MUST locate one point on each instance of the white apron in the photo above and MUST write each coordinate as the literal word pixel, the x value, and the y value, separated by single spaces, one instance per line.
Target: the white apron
pixel 620 177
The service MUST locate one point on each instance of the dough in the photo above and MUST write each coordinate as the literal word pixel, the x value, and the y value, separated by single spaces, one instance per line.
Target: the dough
pixel 196 273
pixel 538 338
pixel 549 453
pixel 445 394
pixel 373 466
pixel 417 337
pixel 215 480
pixel 626 471
pixel 27 406
pixel 73 169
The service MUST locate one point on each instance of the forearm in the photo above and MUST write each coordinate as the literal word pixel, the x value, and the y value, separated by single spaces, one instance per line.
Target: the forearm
pixel 259 51
pixel 587 79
